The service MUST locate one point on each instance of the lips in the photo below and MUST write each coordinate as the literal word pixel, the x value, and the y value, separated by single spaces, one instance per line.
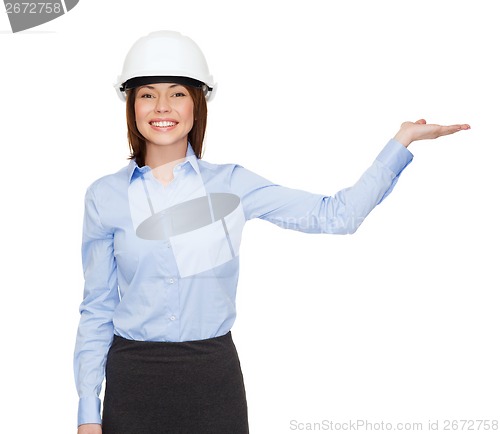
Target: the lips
pixel 163 124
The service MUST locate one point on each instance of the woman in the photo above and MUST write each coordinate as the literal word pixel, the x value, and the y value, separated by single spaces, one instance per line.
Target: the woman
pixel 160 252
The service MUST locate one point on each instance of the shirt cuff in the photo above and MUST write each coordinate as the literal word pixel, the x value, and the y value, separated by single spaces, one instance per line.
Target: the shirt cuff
pixel 89 410
pixel 395 156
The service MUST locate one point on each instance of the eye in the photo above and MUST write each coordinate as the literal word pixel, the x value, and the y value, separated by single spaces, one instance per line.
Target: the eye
pixel 146 95
pixel 179 94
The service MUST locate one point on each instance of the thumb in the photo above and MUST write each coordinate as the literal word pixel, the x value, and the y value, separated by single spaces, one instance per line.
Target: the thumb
pixel 421 121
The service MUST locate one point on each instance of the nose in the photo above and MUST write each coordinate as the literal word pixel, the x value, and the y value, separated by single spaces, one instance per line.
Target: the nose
pixel 162 104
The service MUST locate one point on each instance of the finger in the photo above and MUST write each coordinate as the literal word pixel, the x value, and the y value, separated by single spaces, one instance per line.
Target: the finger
pixel 451 129
pixel 460 127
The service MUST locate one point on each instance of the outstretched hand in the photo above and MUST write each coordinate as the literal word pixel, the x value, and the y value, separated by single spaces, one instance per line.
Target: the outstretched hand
pixel 421 130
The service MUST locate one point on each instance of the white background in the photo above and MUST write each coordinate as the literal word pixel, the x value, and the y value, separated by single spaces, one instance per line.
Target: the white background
pixel 397 323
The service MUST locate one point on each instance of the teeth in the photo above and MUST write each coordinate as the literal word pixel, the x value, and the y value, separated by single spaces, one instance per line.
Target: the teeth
pixel 163 124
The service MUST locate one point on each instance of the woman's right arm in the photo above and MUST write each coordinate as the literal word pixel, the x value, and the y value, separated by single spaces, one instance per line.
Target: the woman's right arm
pixel 95 330
pixel 90 428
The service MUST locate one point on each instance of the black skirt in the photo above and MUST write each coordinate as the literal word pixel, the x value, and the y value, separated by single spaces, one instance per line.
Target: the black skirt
pixel 193 387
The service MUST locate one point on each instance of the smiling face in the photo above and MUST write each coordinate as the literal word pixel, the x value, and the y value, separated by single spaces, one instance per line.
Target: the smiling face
pixel 164 116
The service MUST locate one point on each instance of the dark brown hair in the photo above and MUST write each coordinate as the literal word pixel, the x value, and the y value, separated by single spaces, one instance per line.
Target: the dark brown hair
pixel 136 141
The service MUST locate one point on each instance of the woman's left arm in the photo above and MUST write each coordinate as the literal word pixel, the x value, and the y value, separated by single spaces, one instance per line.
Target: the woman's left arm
pixel 343 212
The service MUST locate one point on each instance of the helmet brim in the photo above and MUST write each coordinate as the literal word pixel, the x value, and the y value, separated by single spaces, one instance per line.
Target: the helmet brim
pixel 143 81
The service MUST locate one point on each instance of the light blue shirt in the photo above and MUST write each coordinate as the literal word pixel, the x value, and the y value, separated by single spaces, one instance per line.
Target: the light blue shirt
pixel 161 262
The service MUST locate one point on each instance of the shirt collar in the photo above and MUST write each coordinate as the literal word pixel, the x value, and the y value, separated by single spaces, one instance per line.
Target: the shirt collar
pixel 134 171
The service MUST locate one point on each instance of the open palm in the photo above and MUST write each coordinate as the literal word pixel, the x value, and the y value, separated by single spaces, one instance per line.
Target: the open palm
pixel 421 130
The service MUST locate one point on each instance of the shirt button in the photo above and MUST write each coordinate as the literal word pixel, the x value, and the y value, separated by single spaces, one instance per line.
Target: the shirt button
pixel 172 318
pixel 171 281
pixel 168 245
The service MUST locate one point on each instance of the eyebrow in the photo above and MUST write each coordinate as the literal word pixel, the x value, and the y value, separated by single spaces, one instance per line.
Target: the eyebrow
pixel 148 86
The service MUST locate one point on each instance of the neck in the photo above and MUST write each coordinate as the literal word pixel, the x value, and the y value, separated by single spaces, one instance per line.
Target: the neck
pixel 160 155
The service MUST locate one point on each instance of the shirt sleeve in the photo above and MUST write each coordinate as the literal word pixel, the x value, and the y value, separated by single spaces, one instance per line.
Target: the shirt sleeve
pixel 341 213
pixel 95 330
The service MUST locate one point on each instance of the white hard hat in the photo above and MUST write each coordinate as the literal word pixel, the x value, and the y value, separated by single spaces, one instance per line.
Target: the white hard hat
pixel 165 56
